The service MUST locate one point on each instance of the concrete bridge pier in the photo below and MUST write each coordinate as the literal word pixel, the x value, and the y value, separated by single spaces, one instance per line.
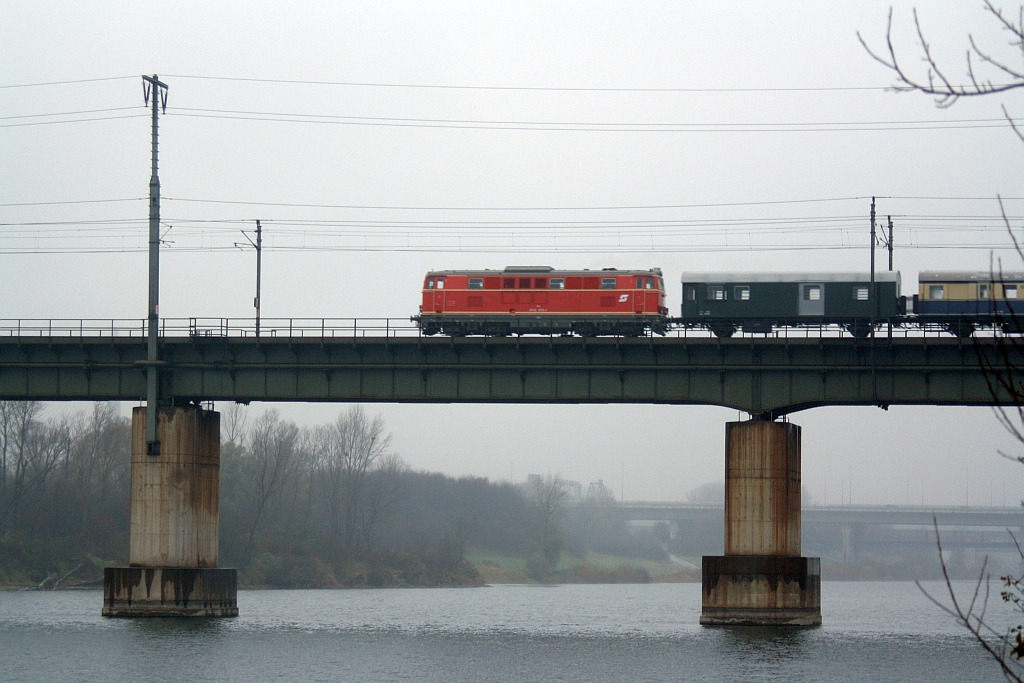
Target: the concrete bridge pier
pixel 762 579
pixel 175 518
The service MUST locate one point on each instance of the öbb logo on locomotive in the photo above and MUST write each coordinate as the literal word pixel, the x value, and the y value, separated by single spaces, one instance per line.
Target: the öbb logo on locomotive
pixel 544 300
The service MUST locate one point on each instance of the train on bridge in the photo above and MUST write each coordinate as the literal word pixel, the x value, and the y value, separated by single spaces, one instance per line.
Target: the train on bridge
pixel 543 300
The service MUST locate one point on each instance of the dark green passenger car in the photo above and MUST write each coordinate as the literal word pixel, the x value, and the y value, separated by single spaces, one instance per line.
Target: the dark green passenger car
pixel 759 302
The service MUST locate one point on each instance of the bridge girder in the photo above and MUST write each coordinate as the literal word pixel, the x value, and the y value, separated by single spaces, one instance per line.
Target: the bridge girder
pixel 765 377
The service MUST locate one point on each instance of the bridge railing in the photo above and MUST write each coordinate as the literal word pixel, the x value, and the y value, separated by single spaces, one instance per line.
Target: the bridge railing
pixel 208 328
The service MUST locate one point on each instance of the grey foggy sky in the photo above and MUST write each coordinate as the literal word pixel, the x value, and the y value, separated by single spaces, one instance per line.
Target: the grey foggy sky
pixel 658 452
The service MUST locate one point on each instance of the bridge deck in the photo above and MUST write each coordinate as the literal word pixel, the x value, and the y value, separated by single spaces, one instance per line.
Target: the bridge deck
pixel 769 376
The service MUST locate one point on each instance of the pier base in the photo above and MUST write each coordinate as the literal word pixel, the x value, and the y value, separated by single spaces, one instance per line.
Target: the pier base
pixel 170 592
pixel 761 580
pixel 175 517
pixel 761 590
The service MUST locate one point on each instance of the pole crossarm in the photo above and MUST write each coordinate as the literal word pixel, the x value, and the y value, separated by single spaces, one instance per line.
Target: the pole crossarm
pixel 766 377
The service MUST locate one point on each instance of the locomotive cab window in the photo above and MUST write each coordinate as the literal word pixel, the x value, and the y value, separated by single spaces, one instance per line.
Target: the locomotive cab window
pixel 476 283
pixel 860 293
pixel 607 283
pixel 812 293
pixel 741 293
pixel 650 283
pixel 440 283
pixel 936 292
pixel 430 283
pixel 1009 291
pixel 639 283
pixel 557 283
pixel 716 293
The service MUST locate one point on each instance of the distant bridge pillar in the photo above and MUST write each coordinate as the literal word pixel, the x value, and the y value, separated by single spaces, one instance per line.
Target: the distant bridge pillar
pixel 762 579
pixel 175 517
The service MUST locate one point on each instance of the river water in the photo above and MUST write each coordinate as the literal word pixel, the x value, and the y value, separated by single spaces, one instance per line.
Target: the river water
pixel 872 632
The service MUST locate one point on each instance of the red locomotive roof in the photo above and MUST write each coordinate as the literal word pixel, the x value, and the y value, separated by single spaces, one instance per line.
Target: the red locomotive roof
pixel 544 270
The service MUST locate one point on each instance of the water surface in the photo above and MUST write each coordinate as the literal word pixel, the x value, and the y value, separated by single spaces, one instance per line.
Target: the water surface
pixel 872 632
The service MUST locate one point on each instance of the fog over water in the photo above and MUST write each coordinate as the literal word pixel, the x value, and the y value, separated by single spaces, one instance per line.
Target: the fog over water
pixel 699 136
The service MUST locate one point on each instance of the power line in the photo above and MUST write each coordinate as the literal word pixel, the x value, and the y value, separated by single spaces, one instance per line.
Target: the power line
pixel 517 208
pixel 85 120
pixel 67 113
pixel 428 86
pixel 80 80
pixel 75 201
pixel 454 124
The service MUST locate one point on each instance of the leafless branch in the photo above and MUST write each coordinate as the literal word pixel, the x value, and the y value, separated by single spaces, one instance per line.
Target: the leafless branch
pixel 935 82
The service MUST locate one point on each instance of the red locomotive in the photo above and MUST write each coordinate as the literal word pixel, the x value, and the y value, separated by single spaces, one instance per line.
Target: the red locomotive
pixel 542 300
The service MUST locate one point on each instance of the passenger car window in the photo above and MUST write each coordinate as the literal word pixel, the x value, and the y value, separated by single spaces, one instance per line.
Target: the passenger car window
pixel 557 283
pixel 607 283
pixel 936 292
pixel 741 293
pixel 476 283
pixel 812 293
pixel 1009 291
pixel 691 293
pixel 716 293
pixel 982 291
pixel 860 293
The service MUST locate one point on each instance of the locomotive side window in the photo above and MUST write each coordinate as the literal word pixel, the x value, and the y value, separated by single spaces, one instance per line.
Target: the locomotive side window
pixel 860 293
pixel 812 293
pixel 1009 291
pixel 540 283
pixel 509 283
pixel 430 283
pixel 524 283
pixel 607 283
pixel 716 293
pixel 936 292
pixel 982 291
pixel 741 293
pixel 557 283
pixel 476 283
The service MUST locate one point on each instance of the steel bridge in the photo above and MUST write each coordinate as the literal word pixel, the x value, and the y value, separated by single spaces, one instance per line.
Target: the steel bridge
pixel 388 360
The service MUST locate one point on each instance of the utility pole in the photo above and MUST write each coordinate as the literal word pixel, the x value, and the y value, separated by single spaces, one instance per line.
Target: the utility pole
pixel 258 245
pixel 152 86
pixel 889 243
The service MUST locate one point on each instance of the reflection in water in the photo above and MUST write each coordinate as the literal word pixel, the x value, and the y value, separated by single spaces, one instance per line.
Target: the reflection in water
pixel 872 632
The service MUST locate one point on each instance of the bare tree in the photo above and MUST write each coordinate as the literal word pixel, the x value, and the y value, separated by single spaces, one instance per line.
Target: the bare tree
pixel 346 452
pixel 272 451
pixel 947 90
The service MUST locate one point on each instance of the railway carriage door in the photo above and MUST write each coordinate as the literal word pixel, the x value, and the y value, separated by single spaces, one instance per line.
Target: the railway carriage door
pixel 812 298
pixel 439 295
